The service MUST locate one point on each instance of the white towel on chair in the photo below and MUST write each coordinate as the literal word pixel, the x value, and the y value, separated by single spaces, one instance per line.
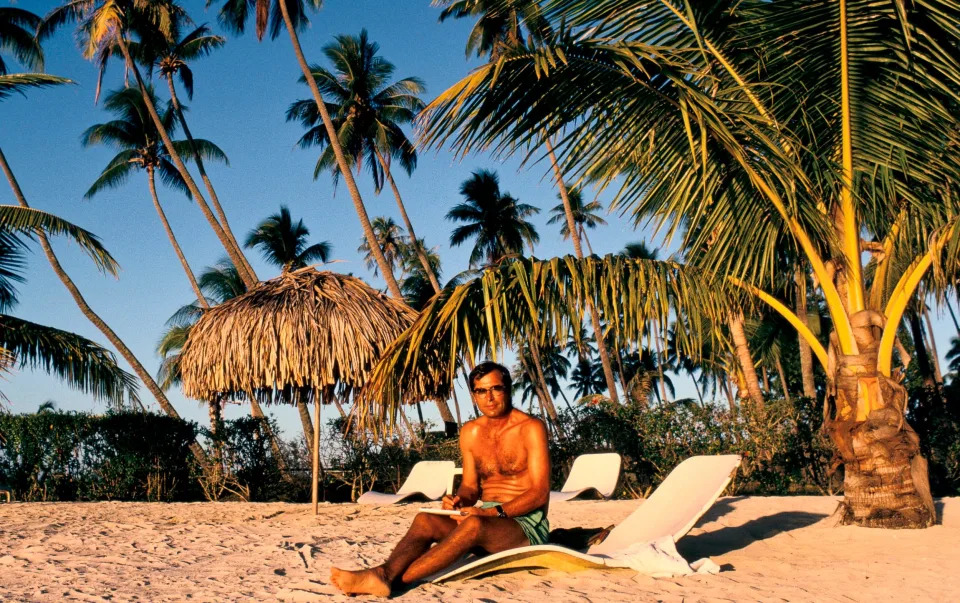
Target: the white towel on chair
pixel 660 558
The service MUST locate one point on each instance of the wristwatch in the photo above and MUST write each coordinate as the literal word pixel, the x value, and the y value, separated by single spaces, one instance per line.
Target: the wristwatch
pixel 500 512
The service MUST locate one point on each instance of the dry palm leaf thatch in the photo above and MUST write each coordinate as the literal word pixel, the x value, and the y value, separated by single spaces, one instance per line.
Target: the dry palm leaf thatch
pixel 303 329
pixel 533 300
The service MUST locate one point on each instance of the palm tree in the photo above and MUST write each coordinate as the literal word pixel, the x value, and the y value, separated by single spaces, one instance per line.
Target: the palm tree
pixel 17 83
pixel 498 32
pixel 79 362
pixel 494 220
pixel 368 112
pixel 135 136
pixel 284 244
pixel 170 55
pixel 389 237
pixel 500 23
pixel 587 378
pixel 292 14
pixel 108 24
pixel 584 216
pixel 16 36
pixel 834 76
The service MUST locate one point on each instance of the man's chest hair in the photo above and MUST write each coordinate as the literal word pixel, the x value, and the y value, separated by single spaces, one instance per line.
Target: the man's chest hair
pixel 500 453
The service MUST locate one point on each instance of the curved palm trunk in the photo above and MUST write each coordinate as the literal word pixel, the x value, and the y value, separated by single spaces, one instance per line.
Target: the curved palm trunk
pixel 735 323
pixel 421 255
pixel 235 257
pixel 341 159
pixel 806 354
pixel 92 316
pixel 594 319
pixel 173 240
pixel 214 199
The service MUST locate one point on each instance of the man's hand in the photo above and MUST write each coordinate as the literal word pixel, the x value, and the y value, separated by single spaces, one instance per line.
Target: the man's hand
pixel 474 511
pixel 450 502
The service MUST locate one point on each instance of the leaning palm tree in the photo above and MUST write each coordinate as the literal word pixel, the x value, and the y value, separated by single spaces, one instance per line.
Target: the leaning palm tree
pixel 79 362
pixel 283 242
pixel 138 142
pixel 171 55
pixel 368 112
pixel 790 129
pixel 292 15
pixel 495 221
pixel 18 83
pixel 108 24
pixel 584 216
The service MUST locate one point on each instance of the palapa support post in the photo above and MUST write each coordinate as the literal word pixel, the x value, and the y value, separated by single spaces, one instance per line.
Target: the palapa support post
pixel 315 485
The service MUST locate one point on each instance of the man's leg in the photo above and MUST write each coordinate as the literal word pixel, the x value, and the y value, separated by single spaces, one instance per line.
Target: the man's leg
pixel 424 531
pixel 492 534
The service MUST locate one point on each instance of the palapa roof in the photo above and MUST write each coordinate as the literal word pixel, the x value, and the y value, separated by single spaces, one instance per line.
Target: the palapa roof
pixel 305 328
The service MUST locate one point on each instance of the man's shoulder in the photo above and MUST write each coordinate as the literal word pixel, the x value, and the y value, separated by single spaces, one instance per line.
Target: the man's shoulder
pixel 530 423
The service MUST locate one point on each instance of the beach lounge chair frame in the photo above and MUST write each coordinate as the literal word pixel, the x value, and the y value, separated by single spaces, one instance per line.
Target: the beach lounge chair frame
pixel 428 480
pixel 593 475
pixel 670 512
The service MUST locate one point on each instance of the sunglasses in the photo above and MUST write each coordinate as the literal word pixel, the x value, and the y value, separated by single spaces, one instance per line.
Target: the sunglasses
pixel 496 389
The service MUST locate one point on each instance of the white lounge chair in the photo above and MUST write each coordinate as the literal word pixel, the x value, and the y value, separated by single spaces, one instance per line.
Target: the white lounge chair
pixel 428 480
pixel 592 475
pixel 690 489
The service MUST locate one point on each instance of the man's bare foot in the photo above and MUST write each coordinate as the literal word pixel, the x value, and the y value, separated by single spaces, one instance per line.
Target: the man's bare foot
pixel 361 582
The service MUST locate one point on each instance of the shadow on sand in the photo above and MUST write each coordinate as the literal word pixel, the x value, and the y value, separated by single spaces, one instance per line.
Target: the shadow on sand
pixel 728 539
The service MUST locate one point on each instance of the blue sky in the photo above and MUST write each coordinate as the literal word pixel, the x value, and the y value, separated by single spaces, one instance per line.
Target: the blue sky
pixel 242 93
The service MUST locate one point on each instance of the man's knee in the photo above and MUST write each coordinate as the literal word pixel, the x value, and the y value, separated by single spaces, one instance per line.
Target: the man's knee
pixel 428 525
pixel 471 528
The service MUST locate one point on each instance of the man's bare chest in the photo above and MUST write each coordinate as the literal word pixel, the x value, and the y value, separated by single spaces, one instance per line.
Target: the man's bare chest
pixel 500 454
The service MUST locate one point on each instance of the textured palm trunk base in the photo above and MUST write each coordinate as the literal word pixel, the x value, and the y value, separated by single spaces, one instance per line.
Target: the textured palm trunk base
pixel 885 480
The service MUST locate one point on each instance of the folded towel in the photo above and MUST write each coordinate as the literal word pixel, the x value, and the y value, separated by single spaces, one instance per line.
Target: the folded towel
pixel 660 558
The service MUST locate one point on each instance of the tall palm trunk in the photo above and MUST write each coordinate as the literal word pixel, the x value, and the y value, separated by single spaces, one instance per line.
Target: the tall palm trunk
pixel 92 316
pixel 173 239
pixel 594 319
pixel 657 342
pixel 304 413
pixel 735 323
pixel 214 199
pixel 783 379
pixel 547 399
pixel 341 159
pixel 235 256
pixel 932 343
pixel 923 357
pixel 806 354
pixel 421 254
pixel 583 233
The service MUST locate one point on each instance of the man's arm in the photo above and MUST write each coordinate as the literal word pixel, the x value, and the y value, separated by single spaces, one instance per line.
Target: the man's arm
pixel 469 491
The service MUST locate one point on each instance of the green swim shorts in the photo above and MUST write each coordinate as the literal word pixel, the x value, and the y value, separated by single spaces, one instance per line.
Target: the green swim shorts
pixel 534 524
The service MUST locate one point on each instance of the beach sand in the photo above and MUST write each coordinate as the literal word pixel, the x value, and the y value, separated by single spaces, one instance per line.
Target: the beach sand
pixel 770 548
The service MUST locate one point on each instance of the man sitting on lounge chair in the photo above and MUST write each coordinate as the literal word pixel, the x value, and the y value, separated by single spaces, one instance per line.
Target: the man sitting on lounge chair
pixel 505 465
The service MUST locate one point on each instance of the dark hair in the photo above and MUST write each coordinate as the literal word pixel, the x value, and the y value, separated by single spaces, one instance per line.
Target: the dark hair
pixel 484 368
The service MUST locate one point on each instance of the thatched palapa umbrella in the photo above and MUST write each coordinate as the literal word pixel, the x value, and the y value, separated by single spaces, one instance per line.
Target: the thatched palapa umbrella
pixel 305 329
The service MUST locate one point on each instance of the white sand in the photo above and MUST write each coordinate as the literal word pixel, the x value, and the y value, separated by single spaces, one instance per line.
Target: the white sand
pixel 772 549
